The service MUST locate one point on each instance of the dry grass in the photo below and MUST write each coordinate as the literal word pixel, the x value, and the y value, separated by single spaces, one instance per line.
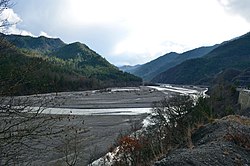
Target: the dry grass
pixel 239 138
pixel 238 119
pixel 238 135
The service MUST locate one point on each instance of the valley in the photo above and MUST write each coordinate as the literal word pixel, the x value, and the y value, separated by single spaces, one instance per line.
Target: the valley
pixel 103 114
pixel 65 104
pixel 109 100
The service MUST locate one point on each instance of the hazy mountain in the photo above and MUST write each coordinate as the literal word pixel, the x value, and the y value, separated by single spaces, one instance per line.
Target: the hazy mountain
pixel 163 63
pixel 61 68
pixel 145 71
pixel 128 68
pixel 232 54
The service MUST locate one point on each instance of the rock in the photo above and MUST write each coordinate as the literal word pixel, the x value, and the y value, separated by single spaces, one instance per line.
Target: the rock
pixel 238 156
pixel 219 143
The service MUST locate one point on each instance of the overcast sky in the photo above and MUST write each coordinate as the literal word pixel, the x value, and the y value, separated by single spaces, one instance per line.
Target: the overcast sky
pixel 133 31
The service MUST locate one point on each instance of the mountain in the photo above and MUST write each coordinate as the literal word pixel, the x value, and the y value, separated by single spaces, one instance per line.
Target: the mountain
pixel 243 79
pixel 128 68
pixel 87 62
pixel 39 44
pixel 65 67
pixel 165 62
pixel 231 54
pixel 145 71
pixel 83 54
pixel 229 75
pixel 23 74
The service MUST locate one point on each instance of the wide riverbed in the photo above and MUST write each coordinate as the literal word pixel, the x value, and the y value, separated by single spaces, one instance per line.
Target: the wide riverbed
pixel 111 101
pixel 104 113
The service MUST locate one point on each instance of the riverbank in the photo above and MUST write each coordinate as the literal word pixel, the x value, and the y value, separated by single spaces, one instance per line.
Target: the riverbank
pixel 129 97
pixel 104 115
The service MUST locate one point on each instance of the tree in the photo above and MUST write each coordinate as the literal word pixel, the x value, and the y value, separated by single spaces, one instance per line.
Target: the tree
pixel 25 131
pixel 4 4
pixel 170 119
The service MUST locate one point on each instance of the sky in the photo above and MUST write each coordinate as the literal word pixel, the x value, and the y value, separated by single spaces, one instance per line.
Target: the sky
pixel 129 32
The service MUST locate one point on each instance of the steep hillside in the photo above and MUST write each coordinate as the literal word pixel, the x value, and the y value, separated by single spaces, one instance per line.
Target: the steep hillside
pixel 165 62
pixel 83 54
pixel 227 76
pixel 87 62
pixel 232 54
pixel 148 69
pixel 71 67
pixel 39 44
pixel 243 79
pixel 21 74
pixel 195 53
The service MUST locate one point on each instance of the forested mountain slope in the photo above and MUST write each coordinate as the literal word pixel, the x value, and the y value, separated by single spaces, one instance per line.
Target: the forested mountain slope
pixel 39 44
pixel 55 66
pixel 153 68
pixel 232 54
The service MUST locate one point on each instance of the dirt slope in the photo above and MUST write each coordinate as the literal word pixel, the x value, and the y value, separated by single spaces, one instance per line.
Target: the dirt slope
pixel 224 142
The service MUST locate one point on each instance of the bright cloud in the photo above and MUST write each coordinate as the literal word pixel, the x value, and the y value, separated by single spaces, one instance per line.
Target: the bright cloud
pixel 240 7
pixel 10 16
pixel 9 20
pixel 178 26
pixel 136 31
pixel 42 33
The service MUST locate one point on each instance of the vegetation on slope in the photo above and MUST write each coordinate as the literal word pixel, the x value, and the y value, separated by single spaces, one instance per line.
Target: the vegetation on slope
pixel 232 54
pixel 71 67
pixel 151 69
pixel 21 74
pixel 183 132
pixel 224 142
pixel 39 44
pixel 145 71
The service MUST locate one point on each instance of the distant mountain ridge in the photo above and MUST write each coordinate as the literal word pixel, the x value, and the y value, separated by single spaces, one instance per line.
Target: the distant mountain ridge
pixel 42 65
pixel 128 68
pixel 233 54
pixel 149 70
pixel 40 44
